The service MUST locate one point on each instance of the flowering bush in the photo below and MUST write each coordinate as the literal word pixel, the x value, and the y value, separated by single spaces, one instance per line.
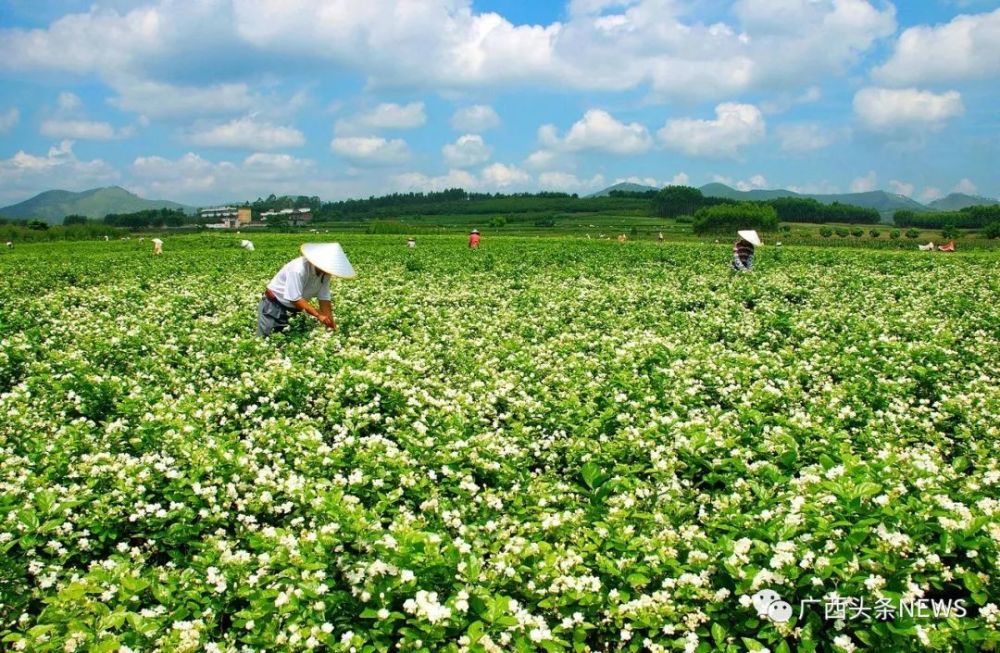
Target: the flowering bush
pixel 541 445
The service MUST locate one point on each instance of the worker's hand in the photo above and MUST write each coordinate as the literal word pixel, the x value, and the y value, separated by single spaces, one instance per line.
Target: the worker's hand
pixel 328 321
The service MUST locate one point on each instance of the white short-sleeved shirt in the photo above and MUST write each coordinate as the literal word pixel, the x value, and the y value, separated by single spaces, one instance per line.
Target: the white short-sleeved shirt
pixel 299 280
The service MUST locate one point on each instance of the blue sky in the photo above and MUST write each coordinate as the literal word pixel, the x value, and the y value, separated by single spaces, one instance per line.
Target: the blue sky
pixel 218 101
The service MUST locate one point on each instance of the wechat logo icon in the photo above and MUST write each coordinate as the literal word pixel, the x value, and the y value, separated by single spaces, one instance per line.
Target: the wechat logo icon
pixel 768 604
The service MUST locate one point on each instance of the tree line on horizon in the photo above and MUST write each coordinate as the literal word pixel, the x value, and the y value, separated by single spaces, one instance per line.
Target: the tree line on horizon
pixel 673 202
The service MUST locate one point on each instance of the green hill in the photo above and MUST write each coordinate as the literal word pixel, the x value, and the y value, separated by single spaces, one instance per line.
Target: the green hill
pixel 53 205
pixel 721 190
pixel 624 186
pixel 883 202
pixel 959 201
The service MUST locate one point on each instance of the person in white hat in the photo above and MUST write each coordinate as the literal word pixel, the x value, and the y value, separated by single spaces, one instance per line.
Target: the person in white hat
pixel 247 245
pixel 157 246
pixel 300 280
pixel 474 239
pixel 743 250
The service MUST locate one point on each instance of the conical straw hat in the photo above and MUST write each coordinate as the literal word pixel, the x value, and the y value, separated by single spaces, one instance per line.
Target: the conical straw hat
pixel 330 258
pixel 751 237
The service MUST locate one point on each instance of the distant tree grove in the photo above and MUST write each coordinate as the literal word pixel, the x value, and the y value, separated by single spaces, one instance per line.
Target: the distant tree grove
pixel 972 217
pixel 730 217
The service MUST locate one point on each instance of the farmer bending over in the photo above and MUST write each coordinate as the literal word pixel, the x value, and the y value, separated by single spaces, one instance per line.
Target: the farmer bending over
pixel 299 281
pixel 743 250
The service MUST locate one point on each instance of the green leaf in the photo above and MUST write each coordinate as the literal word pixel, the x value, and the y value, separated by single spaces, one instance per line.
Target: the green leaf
pixel 28 518
pixel 867 489
pixel 497 608
pixel 592 475
pixel 134 585
pixel 112 621
pixel 718 633
pixel 972 582
pixel 105 645
pixel 857 536
pixel 73 592
pixel 475 631
pixel 637 580
pixel 752 644
pixel 45 500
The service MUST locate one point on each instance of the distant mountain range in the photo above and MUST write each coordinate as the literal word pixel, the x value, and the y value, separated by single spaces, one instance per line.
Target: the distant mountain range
pixel 958 201
pixel 53 205
pixel 624 186
pixel 883 202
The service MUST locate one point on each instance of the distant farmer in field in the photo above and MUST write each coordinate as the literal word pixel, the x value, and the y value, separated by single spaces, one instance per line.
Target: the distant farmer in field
pixel 411 243
pixel 621 238
pixel 299 281
pixel 157 246
pixel 247 245
pixel 659 237
pixel 474 239
pixel 743 250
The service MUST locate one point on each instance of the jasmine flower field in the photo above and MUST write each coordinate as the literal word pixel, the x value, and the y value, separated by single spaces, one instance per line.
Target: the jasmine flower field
pixel 546 444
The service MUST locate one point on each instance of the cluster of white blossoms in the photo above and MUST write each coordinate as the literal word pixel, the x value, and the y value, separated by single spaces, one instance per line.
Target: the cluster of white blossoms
pixel 543 444
pixel 425 605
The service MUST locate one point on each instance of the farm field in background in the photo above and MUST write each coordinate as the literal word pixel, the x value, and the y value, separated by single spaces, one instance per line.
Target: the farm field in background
pixel 546 444
pixel 635 227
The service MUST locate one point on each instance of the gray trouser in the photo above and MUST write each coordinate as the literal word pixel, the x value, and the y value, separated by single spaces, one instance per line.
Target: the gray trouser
pixel 272 316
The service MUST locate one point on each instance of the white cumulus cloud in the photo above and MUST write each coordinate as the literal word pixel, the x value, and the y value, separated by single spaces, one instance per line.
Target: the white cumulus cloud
pixel 68 101
pixel 196 179
pixel 679 179
pixel 247 133
pixel 469 150
pixel 418 181
pixel 541 159
pixel 804 137
pixel 494 177
pixel 371 150
pixel 27 174
pixel 967 47
pixel 450 45
pixel 503 176
pixel 160 100
pixel 966 186
pixel 598 131
pixel 891 110
pixel 755 182
pixel 930 194
pixel 387 115
pixel 82 130
pixel 864 184
pixel 735 126
pixel 901 187
pixel 567 182
pixel 475 119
